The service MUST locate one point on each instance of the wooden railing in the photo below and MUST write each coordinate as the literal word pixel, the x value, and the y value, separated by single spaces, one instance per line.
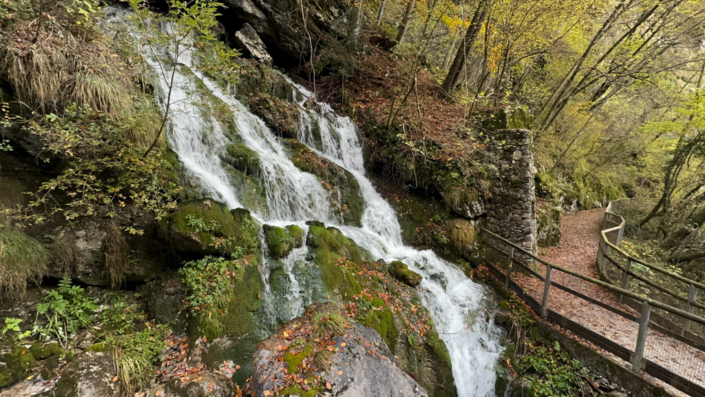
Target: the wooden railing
pixel 518 256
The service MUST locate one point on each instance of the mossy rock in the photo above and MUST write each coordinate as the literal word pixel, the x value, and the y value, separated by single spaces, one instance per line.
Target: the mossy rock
pixel 402 273
pixel 243 159
pixel 18 362
pixel 281 241
pixel 41 352
pixel 207 227
pixel 250 189
pixel 382 320
pixel 342 186
pixel 332 249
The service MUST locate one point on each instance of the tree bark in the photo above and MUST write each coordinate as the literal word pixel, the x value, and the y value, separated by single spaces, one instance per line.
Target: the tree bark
pixel 401 32
pixel 380 13
pixel 466 46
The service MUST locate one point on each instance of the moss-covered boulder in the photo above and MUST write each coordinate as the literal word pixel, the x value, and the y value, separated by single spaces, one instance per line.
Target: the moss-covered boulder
pixel 243 159
pixel 402 273
pixel 207 227
pixel 281 241
pixel 336 256
pixel 464 201
pixel 16 365
pixel 343 189
pixel 361 365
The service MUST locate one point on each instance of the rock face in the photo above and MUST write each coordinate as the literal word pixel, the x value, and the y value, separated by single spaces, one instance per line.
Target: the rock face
pixel 548 224
pixel 248 39
pixel 91 375
pixel 202 384
pixel 361 365
pixel 280 25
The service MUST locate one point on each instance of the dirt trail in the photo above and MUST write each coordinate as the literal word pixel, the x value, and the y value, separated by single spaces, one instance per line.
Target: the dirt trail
pixel 578 252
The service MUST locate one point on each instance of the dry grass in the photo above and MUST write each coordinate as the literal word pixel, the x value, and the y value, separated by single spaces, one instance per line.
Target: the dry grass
pixel 456 197
pixel 63 256
pixel 461 234
pixel 117 257
pixel 22 259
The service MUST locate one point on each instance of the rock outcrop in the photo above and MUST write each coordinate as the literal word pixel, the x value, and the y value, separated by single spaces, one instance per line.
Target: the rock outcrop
pixel 90 375
pixel 248 39
pixel 335 356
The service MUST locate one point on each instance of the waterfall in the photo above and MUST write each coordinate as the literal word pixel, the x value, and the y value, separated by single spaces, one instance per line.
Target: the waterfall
pixel 457 305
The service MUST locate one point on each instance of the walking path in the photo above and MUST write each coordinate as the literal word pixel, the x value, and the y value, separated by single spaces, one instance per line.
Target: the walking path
pixel 578 251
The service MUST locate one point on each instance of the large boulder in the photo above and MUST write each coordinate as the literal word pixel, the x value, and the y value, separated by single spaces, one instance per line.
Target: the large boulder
pixel 90 375
pixel 336 356
pixel 207 227
pixel 97 251
pixel 248 39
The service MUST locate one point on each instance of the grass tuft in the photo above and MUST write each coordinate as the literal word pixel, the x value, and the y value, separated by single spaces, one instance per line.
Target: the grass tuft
pixel 461 235
pixel 22 259
pixel 117 258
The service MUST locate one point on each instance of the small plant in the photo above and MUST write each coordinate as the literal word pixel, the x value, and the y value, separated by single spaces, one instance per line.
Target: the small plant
pixel 553 372
pixel 67 309
pixel 329 322
pixel 199 225
pixel 12 330
pixel 209 283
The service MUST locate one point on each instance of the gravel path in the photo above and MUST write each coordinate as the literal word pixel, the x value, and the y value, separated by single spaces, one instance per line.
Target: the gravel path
pixel 578 252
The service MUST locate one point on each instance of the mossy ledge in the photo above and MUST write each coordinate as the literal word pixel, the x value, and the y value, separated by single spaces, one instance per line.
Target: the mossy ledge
pixel 402 273
pixel 207 227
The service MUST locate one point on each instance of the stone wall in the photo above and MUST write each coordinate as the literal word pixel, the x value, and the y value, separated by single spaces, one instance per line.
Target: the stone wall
pixel 511 211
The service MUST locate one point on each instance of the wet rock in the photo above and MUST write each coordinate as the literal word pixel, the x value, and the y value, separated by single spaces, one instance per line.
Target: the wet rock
pixel 440 278
pixel 248 40
pixel 402 273
pixel 90 375
pixel 164 301
pixel 342 186
pixel 360 366
pixel 202 384
pixel 281 116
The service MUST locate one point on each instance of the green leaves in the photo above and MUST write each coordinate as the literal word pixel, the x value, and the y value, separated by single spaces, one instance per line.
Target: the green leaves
pixel 67 310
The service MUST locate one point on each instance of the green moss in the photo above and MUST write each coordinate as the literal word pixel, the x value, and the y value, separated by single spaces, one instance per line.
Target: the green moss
pixel 41 352
pixel 294 360
pixel 402 273
pixel 297 391
pixel 18 362
pixel 334 255
pixel 97 347
pixel 441 365
pixel 297 234
pixel 244 301
pixel 382 320
pixel 244 159
pixel 215 228
pixel 279 241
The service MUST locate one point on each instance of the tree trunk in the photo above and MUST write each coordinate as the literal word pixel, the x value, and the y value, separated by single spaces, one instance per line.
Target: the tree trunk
pixel 380 14
pixel 405 21
pixel 466 46
pixel 354 36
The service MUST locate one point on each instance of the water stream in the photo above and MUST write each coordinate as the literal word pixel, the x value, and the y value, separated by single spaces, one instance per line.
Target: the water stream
pixel 458 308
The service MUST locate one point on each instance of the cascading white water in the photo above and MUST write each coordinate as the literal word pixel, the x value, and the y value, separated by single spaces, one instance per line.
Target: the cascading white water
pixel 454 301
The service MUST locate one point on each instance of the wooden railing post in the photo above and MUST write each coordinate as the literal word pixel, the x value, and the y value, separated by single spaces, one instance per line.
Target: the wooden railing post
pixel 692 294
pixel 637 357
pixel 546 290
pixel 626 277
pixel 507 279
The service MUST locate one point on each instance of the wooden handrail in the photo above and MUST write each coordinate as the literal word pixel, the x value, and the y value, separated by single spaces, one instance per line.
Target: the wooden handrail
pixel 601 283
